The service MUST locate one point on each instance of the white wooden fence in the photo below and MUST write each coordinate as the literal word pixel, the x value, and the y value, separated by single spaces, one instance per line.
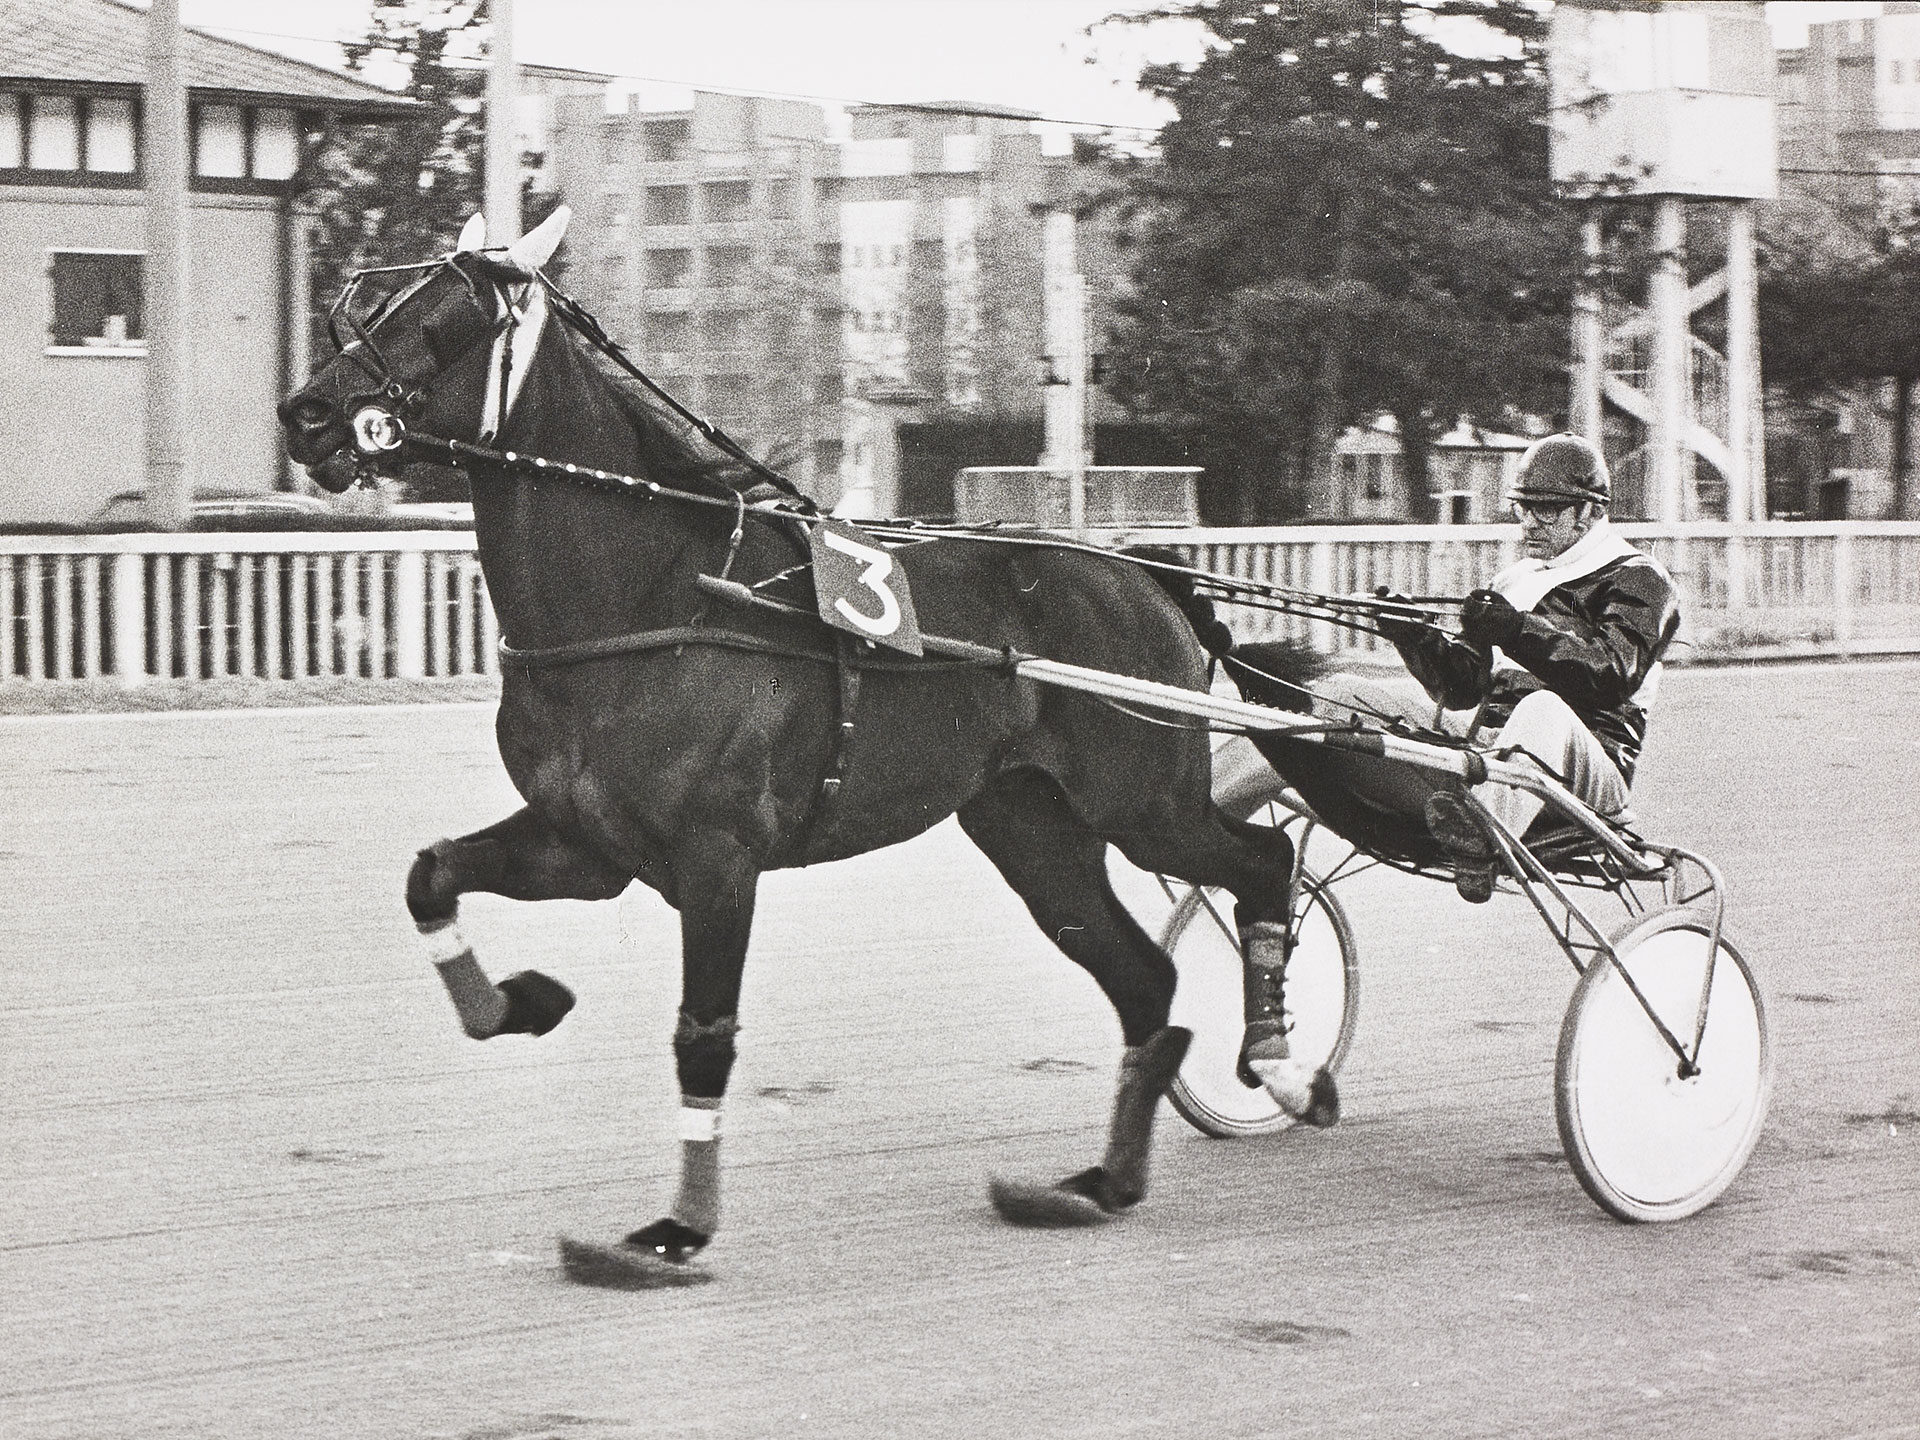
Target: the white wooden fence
pixel 405 605
pixel 412 605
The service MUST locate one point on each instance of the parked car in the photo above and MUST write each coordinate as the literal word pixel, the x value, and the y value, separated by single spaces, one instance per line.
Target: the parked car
pixel 272 510
pixel 429 515
pixel 220 510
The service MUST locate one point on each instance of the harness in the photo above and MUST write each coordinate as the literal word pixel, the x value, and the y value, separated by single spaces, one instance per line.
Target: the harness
pixel 380 421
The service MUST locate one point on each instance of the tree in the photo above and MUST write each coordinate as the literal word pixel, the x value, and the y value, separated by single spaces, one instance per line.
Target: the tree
pixel 1346 218
pixel 1832 317
pixel 399 190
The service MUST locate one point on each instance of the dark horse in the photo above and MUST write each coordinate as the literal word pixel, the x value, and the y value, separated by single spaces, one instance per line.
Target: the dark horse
pixel 695 766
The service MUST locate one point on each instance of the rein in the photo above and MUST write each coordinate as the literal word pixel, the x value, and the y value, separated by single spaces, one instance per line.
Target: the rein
pixel 380 430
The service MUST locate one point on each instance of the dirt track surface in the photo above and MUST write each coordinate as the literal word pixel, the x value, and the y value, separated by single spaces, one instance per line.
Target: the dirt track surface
pixel 257 1183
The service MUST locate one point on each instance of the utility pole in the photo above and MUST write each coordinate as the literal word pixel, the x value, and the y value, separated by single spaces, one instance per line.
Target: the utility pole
pixel 169 346
pixel 1066 396
pixel 503 147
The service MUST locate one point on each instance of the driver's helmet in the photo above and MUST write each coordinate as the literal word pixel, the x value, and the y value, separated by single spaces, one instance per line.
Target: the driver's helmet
pixel 1562 467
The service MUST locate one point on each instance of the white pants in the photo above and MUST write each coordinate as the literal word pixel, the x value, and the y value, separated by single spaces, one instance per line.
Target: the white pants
pixel 1542 729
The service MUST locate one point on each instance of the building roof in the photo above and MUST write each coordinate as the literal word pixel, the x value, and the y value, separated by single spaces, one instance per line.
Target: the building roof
pixel 104 42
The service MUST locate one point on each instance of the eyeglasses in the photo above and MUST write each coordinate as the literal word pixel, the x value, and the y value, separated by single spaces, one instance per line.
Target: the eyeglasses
pixel 1541 512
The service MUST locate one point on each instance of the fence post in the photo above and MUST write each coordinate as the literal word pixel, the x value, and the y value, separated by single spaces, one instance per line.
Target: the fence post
pixel 130 618
pixel 1320 580
pixel 1843 592
pixel 410 615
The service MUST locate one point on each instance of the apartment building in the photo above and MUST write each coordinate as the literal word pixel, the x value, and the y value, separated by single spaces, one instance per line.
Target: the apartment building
pixel 1849 113
pixel 809 295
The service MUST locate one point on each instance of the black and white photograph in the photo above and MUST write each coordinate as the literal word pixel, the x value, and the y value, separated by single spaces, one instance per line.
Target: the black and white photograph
pixel 1055 719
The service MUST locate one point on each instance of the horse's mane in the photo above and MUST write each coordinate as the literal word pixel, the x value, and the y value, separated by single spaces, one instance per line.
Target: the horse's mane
pixel 670 449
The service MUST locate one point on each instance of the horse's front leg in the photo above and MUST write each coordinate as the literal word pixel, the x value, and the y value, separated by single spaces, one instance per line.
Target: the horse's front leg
pixel 522 858
pixel 715 880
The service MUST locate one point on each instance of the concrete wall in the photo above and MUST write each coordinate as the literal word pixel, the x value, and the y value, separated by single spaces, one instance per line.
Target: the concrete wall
pixel 72 427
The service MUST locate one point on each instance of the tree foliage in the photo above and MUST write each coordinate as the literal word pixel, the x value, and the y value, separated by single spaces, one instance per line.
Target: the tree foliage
pixel 1834 316
pixel 1346 218
pixel 399 190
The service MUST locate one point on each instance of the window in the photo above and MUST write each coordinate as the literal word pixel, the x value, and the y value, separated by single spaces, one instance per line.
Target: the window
pixel 96 301
pixel 780 199
pixel 53 133
pixel 276 144
pixel 731 395
pixel 69 132
pixel 669 332
pixel 667 140
pixel 669 269
pixel 729 265
pixel 110 145
pixel 1896 72
pixel 726 329
pixel 220 142
pixel 724 201
pixel 669 204
pixel 1376 477
pixel 12 135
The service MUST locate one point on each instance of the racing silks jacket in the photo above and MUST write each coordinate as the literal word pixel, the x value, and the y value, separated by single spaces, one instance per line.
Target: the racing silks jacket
pixel 1595 640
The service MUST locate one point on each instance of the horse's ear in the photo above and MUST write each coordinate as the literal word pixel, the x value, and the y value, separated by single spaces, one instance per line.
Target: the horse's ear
pixel 473 235
pixel 536 247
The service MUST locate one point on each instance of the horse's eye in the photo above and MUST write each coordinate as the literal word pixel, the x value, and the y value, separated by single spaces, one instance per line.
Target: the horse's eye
pixel 441 339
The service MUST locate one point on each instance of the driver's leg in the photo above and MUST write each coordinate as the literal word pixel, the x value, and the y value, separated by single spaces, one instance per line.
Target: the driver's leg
pixel 1544 731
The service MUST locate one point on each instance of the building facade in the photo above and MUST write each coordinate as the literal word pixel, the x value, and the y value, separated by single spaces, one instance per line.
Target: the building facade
pixel 811 295
pixel 72 241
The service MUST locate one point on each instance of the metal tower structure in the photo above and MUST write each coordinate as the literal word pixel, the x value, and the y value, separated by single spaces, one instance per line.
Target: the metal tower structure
pixel 1670 105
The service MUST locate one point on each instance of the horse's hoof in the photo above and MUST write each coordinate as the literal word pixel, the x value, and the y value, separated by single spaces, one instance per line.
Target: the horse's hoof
pixel 634 1264
pixel 535 1003
pixel 1084 1199
pixel 1323 1101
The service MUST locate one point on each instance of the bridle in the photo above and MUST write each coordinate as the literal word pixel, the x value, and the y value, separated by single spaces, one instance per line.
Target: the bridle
pixel 378 418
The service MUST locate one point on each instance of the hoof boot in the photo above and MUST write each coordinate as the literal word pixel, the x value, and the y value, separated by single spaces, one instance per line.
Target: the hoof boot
pixel 654 1258
pixel 535 1003
pixel 1089 1198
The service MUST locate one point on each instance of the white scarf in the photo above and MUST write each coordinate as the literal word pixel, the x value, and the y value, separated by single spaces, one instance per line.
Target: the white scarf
pixel 1525 583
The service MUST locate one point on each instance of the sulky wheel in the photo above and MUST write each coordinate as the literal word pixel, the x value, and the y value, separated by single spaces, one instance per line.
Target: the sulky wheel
pixel 1322 989
pixel 1646 1143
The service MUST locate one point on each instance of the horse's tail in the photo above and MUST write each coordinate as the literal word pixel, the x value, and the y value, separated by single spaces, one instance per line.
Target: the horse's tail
pixel 1279 673
pixel 1267 672
pixel 1175 576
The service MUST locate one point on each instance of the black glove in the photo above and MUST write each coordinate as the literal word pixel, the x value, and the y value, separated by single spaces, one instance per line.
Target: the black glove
pixel 1487 620
pixel 1400 629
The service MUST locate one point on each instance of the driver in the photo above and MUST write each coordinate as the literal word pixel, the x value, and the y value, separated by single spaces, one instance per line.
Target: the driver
pixel 1560 657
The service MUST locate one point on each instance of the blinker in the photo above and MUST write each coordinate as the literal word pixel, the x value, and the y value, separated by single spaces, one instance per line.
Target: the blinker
pixel 377 431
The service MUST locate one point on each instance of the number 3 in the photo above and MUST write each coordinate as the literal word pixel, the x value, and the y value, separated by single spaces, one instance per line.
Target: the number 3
pixel 877 565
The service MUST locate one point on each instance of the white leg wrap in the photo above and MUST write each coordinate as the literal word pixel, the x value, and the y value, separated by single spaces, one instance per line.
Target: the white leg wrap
pixel 445 943
pixel 699 1124
pixel 1289 1081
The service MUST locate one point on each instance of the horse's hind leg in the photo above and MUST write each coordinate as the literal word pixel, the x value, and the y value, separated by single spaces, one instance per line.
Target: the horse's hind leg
pixel 1058 867
pixel 522 858
pixel 1255 864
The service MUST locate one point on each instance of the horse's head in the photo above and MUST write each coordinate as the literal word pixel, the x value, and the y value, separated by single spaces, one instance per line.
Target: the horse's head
pixel 429 353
